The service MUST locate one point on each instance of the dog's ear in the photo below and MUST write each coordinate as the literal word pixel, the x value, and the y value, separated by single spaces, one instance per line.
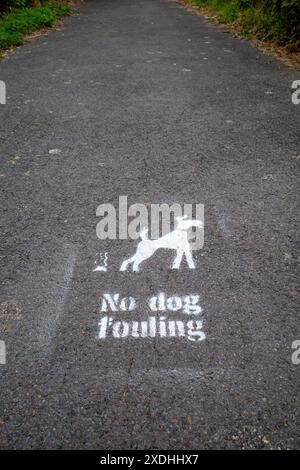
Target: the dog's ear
pixel 179 219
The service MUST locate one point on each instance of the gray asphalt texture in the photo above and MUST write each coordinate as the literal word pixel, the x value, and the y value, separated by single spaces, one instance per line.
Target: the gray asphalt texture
pixel 145 99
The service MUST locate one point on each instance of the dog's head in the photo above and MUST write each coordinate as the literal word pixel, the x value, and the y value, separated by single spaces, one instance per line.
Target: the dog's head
pixel 183 223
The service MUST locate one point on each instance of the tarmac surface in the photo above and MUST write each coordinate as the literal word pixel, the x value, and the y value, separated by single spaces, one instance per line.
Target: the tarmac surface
pixel 144 99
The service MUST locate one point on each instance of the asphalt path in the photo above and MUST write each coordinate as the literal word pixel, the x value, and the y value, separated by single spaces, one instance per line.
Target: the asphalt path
pixel 143 98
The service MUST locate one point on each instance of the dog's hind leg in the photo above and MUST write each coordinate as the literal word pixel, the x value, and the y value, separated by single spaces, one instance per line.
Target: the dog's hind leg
pixel 139 258
pixel 135 266
pixel 126 263
pixel 133 260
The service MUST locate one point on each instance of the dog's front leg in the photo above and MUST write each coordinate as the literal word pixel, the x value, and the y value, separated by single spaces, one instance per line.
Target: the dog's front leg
pixel 177 260
pixel 189 258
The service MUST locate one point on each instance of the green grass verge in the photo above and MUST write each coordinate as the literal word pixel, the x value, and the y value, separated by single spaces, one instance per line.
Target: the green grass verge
pixel 262 19
pixel 20 22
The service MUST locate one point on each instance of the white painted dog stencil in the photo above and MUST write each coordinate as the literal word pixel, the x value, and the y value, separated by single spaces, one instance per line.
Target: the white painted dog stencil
pixel 176 240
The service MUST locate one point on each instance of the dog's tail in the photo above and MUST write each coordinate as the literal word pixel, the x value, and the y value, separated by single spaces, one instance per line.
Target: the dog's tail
pixel 143 234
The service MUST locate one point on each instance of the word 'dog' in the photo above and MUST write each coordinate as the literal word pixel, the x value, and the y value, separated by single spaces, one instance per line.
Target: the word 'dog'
pixel 188 303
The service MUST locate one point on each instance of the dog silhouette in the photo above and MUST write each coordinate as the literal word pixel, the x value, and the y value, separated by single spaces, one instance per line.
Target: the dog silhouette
pixel 175 240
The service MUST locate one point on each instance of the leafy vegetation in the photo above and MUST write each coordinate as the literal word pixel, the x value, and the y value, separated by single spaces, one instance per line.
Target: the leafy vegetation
pixel 8 4
pixel 22 19
pixel 266 19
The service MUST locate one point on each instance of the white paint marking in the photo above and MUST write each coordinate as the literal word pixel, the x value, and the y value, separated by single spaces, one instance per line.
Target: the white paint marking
pixel 176 240
pixel 135 329
pixel 188 304
pixel 100 268
pixel 120 329
pixel 102 327
pixel 54 151
pixel 2 353
pixel 2 92
pixel 269 177
pixel 152 327
pixel 296 354
pixel 144 329
pixel 296 93
pixel 114 304
pixel 101 262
